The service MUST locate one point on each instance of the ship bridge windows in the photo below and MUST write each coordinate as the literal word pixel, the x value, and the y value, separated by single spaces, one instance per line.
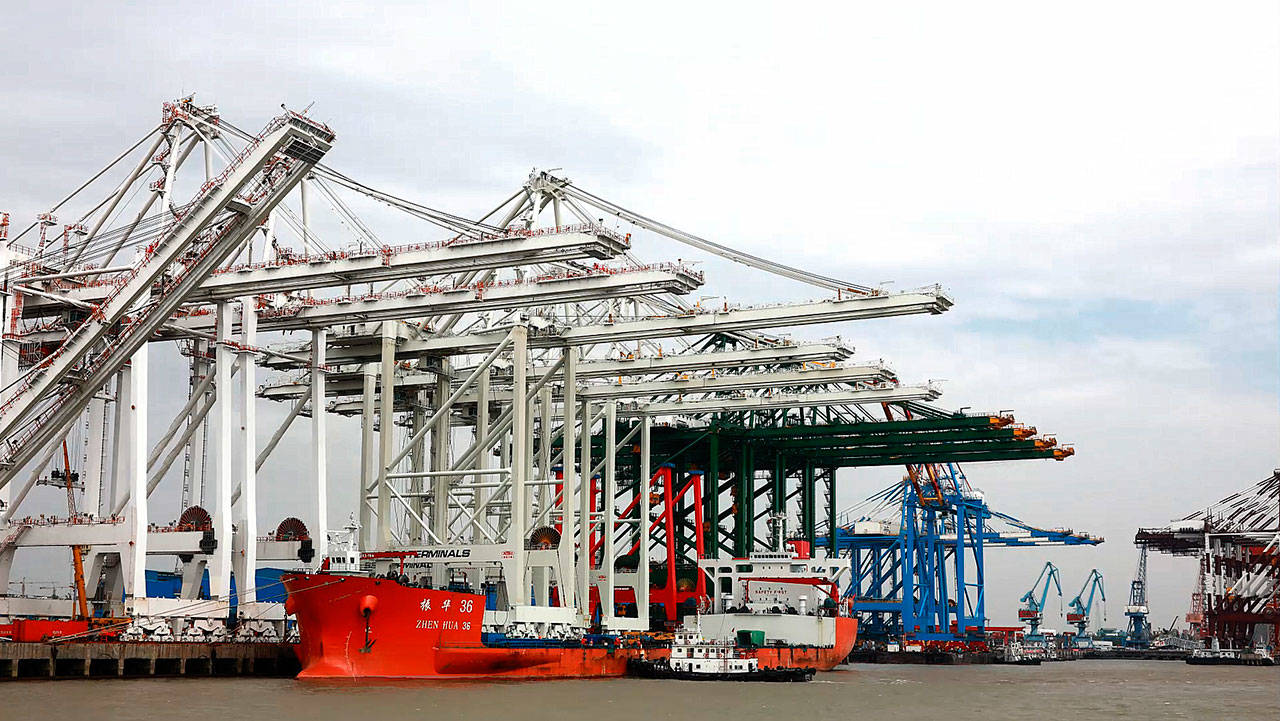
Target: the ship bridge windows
pixel 744 568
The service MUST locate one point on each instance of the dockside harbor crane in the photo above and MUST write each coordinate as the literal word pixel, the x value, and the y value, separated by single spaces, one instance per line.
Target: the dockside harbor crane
pixel 1032 612
pixel 1080 608
pixel 1139 626
pixel 504 300
pixel 919 571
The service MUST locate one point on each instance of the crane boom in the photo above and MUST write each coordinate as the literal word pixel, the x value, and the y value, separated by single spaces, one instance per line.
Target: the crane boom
pixel 1033 611
pixel 1080 608
pixel 208 230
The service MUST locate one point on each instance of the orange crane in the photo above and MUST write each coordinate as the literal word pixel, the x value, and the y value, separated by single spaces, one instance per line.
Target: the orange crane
pixel 934 496
pixel 81 609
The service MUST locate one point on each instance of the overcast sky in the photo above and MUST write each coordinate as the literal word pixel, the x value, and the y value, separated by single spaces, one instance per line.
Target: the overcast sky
pixel 1094 183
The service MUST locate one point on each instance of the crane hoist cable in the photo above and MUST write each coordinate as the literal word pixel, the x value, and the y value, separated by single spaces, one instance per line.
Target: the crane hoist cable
pixel 98 246
pixel 292 220
pixel 150 229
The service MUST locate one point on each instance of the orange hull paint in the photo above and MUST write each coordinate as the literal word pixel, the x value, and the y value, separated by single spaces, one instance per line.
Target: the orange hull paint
pixel 823 658
pixel 358 627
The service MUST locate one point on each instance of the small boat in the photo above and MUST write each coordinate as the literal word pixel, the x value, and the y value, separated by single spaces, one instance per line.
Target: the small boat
pixel 1025 661
pixel 694 658
pixel 1015 654
pixel 1230 657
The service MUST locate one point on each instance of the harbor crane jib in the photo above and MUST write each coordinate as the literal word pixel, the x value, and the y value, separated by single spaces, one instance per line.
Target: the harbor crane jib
pixel 1032 612
pixel 202 234
pixel 1080 607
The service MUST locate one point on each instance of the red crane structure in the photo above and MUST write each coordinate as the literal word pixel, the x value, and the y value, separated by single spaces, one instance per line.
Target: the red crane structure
pixel 1237 540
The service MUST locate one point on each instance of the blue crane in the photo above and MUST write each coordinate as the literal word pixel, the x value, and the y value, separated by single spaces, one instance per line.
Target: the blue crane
pixel 1079 608
pixel 1139 627
pixel 919 571
pixel 1032 613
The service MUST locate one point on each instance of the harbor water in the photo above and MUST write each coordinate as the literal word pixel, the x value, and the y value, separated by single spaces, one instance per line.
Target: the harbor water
pixel 1080 689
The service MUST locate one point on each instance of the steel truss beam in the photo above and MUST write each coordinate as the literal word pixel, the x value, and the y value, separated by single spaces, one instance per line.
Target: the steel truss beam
pixel 311 272
pixel 302 141
pixel 417 302
pixel 696 322
pixel 784 400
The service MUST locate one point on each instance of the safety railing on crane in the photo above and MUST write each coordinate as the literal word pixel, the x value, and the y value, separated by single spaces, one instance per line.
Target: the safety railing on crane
pixel 292 259
pixel 389 252
pixel 182 110
pixel 204 243
pixel 479 288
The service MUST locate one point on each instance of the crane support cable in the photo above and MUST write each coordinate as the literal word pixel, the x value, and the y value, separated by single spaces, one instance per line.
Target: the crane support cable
pixel 345 213
pixel 141 232
pixel 448 221
pixel 723 251
pixel 89 182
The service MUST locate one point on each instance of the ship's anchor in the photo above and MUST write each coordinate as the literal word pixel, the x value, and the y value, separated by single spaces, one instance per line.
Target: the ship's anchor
pixel 367 604
pixel 368 642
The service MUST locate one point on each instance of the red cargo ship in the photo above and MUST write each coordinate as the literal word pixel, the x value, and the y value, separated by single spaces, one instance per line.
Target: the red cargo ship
pixel 354 626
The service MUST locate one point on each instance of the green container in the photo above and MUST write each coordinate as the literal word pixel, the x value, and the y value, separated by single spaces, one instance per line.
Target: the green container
pixel 750 638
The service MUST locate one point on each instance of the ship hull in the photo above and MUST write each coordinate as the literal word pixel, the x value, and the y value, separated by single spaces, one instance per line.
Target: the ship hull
pixel 660 670
pixel 822 658
pixel 813 642
pixel 360 627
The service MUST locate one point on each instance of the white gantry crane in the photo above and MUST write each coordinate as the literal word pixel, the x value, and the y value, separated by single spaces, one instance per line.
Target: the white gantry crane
pixel 491 376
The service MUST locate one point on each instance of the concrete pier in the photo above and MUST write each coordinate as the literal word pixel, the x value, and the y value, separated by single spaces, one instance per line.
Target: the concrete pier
pixel 19 661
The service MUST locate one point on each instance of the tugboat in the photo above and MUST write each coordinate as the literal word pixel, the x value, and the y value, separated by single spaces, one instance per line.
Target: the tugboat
pixel 694 658
pixel 1215 656
pixel 1015 654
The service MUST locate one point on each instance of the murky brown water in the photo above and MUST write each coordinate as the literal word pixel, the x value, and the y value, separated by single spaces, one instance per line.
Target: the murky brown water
pixel 1077 690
